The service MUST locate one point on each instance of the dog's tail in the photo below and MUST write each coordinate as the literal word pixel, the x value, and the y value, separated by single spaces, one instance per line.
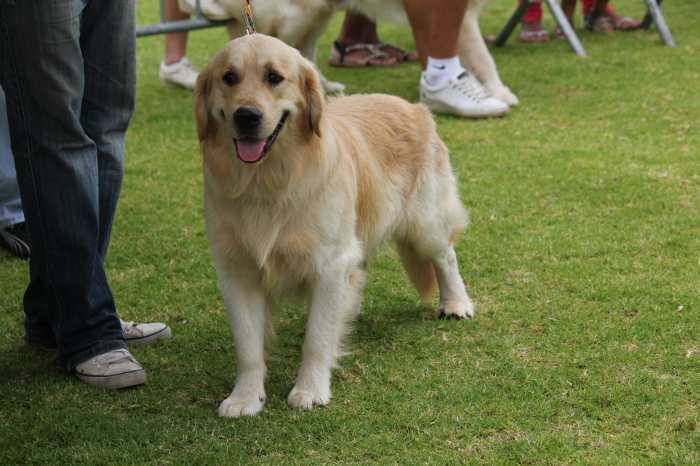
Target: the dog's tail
pixel 420 270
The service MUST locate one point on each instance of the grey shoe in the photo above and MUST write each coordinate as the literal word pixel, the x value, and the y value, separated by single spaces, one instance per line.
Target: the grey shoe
pixel 112 370
pixel 144 334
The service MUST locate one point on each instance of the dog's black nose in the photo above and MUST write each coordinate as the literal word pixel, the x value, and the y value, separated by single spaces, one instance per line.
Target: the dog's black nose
pixel 247 119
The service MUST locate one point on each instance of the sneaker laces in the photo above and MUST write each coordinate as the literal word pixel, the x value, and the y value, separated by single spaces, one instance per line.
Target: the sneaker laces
pixel 468 85
pixel 114 356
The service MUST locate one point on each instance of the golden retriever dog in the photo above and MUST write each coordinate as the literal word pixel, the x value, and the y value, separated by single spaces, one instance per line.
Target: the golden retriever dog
pixel 298 193
pixel 300 23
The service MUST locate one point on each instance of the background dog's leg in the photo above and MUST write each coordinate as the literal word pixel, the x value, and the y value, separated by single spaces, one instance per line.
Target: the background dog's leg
pixel 308 44
pixel 247 310
pixel 476 57
pixel 454 301
pixel 334 303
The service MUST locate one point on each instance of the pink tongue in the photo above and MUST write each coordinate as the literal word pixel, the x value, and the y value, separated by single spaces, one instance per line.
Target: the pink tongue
pixel 250 151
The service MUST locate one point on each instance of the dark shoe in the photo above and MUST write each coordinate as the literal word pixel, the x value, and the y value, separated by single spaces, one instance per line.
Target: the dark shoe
pixel 15 239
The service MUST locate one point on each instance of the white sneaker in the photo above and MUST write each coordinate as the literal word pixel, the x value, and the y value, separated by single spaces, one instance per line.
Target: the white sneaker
pixel 112 370
pixel 180 74
pixel 462 96
pixel 211 9
pixel 144 334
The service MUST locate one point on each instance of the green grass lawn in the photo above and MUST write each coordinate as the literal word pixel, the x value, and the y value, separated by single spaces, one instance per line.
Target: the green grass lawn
pixel 583 258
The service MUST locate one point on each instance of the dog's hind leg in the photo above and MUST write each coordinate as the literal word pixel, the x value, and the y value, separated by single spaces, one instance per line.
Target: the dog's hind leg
pixel 433 257
pixel 454 301
pixel 431 226
pixel 335 301
pixel 248 317
pixel 420 271
pixel 477 58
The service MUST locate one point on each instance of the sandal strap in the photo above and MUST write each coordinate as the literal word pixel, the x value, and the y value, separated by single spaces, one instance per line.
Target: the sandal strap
pixel 373 49
pixel 399 51
pixel 626 21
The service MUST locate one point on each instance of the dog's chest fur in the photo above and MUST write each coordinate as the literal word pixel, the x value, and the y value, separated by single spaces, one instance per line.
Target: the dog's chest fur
pixel 269 241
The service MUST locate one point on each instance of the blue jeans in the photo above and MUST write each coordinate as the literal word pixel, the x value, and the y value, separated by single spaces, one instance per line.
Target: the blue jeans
pixel 10 204
pixel 68 70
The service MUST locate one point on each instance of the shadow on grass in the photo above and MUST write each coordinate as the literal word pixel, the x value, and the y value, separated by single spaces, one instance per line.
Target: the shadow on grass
pixel 23 365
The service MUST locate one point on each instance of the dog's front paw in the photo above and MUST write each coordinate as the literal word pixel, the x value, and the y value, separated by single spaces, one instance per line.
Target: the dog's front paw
pixel 308 398
pixel 504 94
pixel 333 87
pixel 237 405
pixel 455 310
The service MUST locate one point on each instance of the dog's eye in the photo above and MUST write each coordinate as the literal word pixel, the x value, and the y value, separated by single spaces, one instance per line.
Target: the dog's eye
pixel 273 77
pixel 230 78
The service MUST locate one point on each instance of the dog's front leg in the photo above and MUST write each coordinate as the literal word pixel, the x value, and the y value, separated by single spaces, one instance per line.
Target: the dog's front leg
pixel 476 57
pixel 307 47
pixel 334 302
pixel 247 310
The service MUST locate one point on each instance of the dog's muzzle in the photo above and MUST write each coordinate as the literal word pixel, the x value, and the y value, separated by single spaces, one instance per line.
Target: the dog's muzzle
pixel 250 149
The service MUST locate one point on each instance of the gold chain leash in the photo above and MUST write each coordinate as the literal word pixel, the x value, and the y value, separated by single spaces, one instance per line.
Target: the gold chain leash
pixel 248 17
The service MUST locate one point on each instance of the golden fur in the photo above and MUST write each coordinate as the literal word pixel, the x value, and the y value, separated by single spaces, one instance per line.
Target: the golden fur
pixel 342 177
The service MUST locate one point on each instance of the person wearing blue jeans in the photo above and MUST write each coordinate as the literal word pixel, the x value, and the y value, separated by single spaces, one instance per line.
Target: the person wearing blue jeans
pixel 13 232
pixel 68 71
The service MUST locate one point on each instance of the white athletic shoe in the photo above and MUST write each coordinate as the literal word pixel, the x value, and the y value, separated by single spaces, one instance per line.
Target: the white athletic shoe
pixel 180 74
pixel 211 9
pixel 144 334
pixel 112 370
pixel 462 96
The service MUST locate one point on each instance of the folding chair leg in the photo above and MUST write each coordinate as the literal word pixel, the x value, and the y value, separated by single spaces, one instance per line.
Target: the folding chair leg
pixel 563 23
pixel 654 13
pixel 510 25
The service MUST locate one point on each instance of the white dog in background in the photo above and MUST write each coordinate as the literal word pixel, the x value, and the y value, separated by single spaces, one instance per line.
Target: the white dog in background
pixel 298 193
pixel 300 23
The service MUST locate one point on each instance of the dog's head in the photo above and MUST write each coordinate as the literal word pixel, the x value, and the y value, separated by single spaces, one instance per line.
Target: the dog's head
pixel 256 91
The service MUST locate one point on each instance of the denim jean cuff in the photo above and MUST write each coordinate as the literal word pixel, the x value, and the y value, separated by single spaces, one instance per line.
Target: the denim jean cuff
pixel 98 348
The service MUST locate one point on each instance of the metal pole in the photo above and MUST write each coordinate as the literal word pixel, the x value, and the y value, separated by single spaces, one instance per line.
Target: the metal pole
pixel 563 23
pixel 661 26
pixel 176 26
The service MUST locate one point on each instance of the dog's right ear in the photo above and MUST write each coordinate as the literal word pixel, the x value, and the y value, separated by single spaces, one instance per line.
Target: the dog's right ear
pixel 314 97
pixel 205 123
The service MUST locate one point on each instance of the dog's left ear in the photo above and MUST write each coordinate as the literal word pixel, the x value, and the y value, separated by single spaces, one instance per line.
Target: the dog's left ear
pixel 205 123
pixel 314 97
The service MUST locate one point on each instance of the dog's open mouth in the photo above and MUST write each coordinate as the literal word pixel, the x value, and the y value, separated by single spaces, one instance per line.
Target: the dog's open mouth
pixel 253 150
